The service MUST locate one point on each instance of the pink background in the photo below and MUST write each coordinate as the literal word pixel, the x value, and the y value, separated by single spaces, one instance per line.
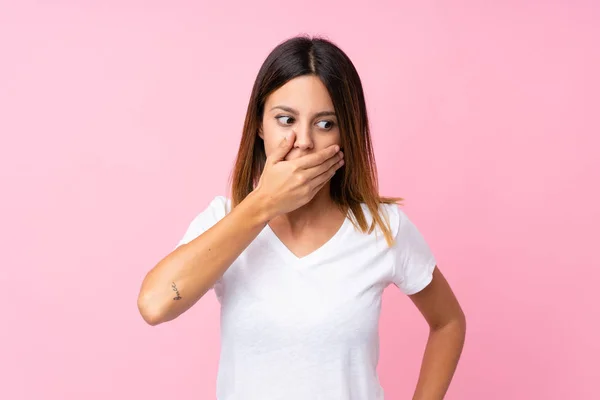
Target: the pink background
pixel 120 121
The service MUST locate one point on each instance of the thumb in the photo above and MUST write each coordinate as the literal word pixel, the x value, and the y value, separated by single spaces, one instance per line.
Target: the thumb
pixel 284 147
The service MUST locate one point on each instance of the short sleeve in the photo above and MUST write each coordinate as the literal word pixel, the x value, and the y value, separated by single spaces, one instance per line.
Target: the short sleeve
pixel 414 261
pixel 215 211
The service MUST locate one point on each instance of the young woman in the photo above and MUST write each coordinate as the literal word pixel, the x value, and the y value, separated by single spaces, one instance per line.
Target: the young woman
pixel 300 254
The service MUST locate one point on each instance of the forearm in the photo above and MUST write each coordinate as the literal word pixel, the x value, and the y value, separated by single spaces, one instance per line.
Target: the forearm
pixel 440 359
pixel 181 278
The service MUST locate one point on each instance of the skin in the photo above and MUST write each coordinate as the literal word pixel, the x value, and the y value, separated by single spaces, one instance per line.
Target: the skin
pixel 186 274
pixel 447 329
pixel 310 226
pixel 298 106
pixel 182 277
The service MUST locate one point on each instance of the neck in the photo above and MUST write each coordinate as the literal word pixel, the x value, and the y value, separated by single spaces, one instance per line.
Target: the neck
pixel 320 209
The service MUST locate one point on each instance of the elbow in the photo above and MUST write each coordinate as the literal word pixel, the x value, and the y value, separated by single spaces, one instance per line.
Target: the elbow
pixel 462 321
pixel 149 310
pixel 456 323
pixel 459 323
pixel 460 326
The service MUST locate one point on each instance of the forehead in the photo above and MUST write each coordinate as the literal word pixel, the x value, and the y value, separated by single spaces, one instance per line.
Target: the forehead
pixel 304 93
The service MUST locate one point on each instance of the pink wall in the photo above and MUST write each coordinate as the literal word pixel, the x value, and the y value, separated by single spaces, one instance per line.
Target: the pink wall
pixel 120 120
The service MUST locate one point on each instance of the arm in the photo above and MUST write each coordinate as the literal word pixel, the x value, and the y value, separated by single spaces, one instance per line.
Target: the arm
pixel 447 328
pixel 180 279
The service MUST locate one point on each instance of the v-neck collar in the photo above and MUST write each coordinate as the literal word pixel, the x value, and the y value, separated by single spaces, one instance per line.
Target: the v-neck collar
pixel 292 258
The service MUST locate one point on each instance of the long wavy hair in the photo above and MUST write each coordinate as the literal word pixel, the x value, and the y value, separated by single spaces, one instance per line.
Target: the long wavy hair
pixel 356 182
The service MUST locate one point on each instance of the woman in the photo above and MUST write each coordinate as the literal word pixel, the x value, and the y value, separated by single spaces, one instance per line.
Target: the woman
pixel 296 255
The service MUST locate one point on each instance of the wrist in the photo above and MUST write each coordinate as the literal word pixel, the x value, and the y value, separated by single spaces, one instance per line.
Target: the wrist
pixel 260 207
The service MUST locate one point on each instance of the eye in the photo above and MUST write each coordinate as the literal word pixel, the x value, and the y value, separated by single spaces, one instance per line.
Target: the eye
pixel 280 117
pixel 331 124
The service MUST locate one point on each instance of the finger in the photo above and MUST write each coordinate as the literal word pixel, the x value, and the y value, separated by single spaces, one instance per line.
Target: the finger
pixel 311 173
pixel 317 158
pixel 284 147
pixel 320 186
pixel 318 181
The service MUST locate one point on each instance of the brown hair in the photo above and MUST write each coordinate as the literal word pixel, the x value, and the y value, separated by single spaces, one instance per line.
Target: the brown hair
pixel 352 184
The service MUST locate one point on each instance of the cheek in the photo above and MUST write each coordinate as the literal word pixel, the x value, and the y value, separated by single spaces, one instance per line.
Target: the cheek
pixel 272 136
pixel 327 139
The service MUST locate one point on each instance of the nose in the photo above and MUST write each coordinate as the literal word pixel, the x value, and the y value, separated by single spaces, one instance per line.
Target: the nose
pixel 304 140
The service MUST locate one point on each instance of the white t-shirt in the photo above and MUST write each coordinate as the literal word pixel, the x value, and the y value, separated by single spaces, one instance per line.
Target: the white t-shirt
pixel 307 328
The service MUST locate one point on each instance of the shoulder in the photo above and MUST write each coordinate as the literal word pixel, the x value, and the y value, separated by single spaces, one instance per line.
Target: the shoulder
pixel 386 210
pixel 218 207
pixel 220 204
pixel 400 223
pixel 394 214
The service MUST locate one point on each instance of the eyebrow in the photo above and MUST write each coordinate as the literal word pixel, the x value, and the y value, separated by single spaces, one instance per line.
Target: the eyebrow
pixel 295 112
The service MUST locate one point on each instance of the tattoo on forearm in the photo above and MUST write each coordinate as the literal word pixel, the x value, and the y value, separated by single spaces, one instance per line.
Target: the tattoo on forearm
pixel 178 297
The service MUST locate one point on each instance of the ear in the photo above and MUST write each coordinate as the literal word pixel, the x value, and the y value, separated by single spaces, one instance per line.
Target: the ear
pixel 260 133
